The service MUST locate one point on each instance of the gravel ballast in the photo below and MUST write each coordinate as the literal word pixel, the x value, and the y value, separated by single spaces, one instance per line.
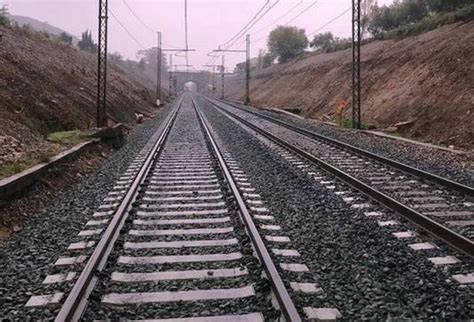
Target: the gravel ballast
pixel 457 167
pixel 185 137
pixel 364 271
pixel 29 255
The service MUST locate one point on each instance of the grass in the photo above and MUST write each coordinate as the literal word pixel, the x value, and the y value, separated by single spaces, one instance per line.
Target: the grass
pixel 66 137
pixel 347 123
pixel 27 162
pixel 15 167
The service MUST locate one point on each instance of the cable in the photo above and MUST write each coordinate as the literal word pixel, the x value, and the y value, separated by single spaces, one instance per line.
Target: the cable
pixel 302 12
pixel 186 31
pixel 126 30
pixel 138 18
pixel 253 24
pixel 251 20
pixel 279 18
pixel 330 21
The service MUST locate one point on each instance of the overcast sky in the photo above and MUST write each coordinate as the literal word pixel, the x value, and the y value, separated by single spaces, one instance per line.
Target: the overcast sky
pixel 210 22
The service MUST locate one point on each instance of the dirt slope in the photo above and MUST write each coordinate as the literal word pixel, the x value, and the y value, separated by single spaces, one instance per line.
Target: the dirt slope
pixel 427 79
pixel 47 86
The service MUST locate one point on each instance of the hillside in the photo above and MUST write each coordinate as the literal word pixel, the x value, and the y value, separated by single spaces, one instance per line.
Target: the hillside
pixel 40 26
pixel 48 86
pixel 425 80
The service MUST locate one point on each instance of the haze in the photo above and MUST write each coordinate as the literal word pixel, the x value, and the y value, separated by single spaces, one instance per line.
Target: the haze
pixel 210 22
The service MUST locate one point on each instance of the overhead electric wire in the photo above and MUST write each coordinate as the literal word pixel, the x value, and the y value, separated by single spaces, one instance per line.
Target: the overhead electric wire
pixel 250 21
pixel 186 32
pixel 330 21
pixel 253 24
pixel 126 30
pixel 279 18
pixel 138 18
pixel 302 12
pixel 143 23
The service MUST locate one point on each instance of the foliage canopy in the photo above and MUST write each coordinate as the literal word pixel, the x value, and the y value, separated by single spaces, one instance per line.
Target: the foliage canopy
pixel 286 43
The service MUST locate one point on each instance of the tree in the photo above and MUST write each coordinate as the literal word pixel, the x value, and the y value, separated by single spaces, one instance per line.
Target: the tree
pixel 115 58
pixel 4 20
pixel 322 41
pixel 268 60
pixel 86 43
pixel 368 11
pixel 65 38
pixel 287 43
pixel 149 56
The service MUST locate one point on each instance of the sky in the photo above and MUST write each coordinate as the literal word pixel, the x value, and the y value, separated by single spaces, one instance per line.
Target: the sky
pixel 210 22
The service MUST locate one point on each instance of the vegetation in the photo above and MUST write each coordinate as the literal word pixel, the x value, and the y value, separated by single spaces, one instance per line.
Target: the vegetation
pixel 4 21
pixel 20 165
pixel 286 43
pixel 65 38
pixel 326 42
pixel 66 137
pixel 410 16
pixel 348 124
pixel 86 43
pixel 267 60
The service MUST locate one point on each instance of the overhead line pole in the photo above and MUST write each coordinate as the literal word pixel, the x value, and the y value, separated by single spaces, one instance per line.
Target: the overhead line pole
pixel 247 66
pixel 158 71
pixel 160 51
pixel 222 76
pixel 170 72
pixel 247 72
pixel 102 65
pixel 356 80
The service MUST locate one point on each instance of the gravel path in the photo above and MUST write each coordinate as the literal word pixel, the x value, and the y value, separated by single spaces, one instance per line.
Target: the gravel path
pixel 27 257
pixel 364 271
pixel 458 167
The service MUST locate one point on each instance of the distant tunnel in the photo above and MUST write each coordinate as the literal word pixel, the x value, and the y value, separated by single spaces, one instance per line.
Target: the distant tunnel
pixel 190 87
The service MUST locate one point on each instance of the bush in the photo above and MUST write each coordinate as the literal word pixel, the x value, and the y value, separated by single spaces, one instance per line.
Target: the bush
pixel 327 43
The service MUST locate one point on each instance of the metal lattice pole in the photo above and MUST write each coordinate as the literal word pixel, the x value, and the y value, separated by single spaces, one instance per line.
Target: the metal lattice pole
pixel 247 71
pixel 158 70
pixel 171 75
pixel 102 65
pixel 222 77
pixel 356 82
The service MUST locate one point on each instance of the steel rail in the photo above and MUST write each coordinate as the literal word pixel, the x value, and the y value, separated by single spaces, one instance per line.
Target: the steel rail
pixel 464 189
pixel 284 300
pixel 75 304
pixel 450 237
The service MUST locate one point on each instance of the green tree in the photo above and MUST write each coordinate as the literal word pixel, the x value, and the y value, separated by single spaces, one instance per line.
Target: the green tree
pixel 286 43
pixel 149 56
pixel 322 41
pixel 86 43
pixel 115 58
pixel 65 38
pixel 268 60
pixel 4 20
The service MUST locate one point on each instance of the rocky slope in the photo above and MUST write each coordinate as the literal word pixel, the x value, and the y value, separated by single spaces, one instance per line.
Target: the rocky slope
pixel 47 86
pixel 425 80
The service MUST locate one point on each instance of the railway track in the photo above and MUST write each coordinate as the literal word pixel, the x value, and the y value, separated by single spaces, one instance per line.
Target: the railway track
pixel 176 238
pixel 439 206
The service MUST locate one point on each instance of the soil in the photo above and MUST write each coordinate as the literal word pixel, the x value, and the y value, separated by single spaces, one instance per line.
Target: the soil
pixel 36 198
pixel 421 86
pixel 47 86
